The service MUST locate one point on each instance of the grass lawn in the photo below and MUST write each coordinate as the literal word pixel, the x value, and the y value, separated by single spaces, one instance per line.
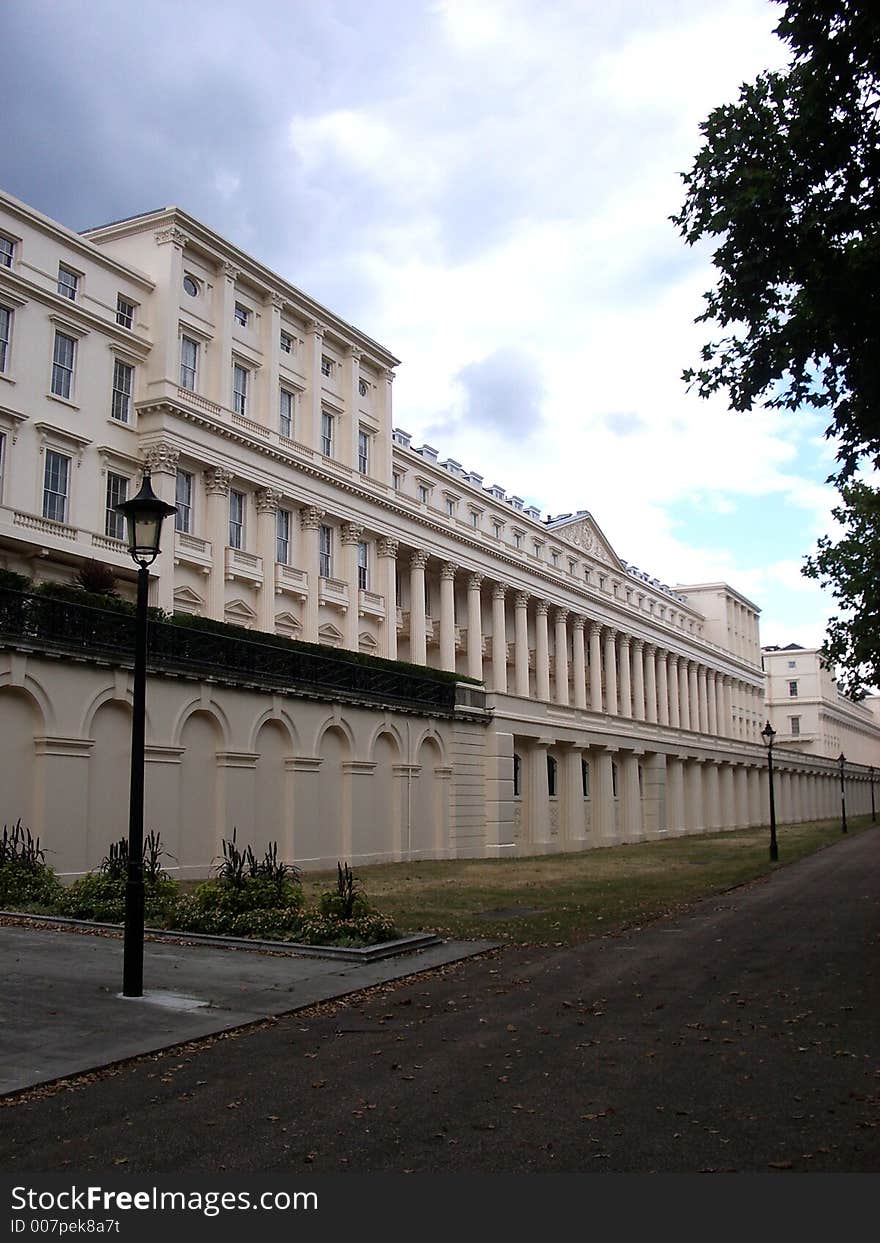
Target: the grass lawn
pixel 562 899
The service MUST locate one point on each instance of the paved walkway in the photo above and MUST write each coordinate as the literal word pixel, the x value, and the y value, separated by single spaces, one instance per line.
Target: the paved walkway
pixel 61 1012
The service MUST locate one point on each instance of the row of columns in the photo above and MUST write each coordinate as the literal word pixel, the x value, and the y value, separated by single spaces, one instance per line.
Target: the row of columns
pixel 621 676
pixel 652 794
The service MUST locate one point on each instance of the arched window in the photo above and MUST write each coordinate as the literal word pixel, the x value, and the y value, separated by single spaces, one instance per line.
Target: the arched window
pixel 517 775
pixel 551 776
pixel 585 777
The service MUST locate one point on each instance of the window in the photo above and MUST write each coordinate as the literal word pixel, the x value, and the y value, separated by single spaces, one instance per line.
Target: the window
pixel 7 251
pixel 363 388
pixel 191 285
pixel 236 519
pixel 5 335
pixel 363 453
pixel 2 461
pixel 517 775
pixel 572 566
pixel 537 547
pixel 285 413
pixel 117 492
pixel 475 519
pixel 62 365
pixel 184 498
pixel 585 778
pixel 327 434
pixel 286 343
pixel 68 282
pixel 554 557
pixel 551 776
pixel 124 311
pixel 396 479
pixel 56 484
pixel 496 529
pixel 423 494
pixel 241 315
pixel 792 664
pixel 189 363
pixel 325 552
pixel 240 377
pixel 794 724
pixel 282 536
pixel 363 567
pixel 326 365
pixel 517 539
pixel 451 506
pixel 792 689
pixel 123 376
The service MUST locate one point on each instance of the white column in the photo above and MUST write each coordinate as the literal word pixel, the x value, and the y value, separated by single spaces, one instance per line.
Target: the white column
pixel 675 814
pixel 222 345
pixel 595 667
pixel 351 537
pixel 572 783
pixel 349 436
pixel 312 429
pixel 386 551
pixel 447 616
pixel 692 696
pixel 719 706
pixel 475 628
pixel 651 683
pixel 662 688
pixel 217 481
pixel 602 798
pixel 625 681
pixel 538 794
pixel 578 663
pixel 610 672
pixel 161 461
pixel 702 699
pixel 684 705
pixel 727 730
pixel 499 640
pixel 418 643
pixel 269 397
pixel 386 444
pixel 310 521
pixel 267 508
pixel 630 796
pixel 712 788
pixel 638 679
pixel 561 655
pixel 542 656
pixel 674 687
pixel 711 704
pixel 521 644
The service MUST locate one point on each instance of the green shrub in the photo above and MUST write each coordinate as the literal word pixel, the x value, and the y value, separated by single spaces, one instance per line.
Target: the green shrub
pixel 347 900
pixel 15 582
pixel 101 896
pixel 360 930
pixel 25 878
pixel 191 914
pixel 254 893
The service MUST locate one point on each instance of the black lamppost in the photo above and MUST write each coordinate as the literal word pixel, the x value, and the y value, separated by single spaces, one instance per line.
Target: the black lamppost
pixel 768 733
pixel 873 812
pixel 841 760
pixel 144 515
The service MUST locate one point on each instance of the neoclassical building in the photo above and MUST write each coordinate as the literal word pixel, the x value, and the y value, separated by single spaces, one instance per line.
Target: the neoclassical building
pixel 809 711
pixel 616 707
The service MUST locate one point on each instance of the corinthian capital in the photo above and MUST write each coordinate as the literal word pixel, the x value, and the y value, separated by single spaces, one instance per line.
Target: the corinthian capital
pixel 351 533
pixel 267 500
pixel 217 481
pixel 387 547
pixel 161 459
pixel 310 517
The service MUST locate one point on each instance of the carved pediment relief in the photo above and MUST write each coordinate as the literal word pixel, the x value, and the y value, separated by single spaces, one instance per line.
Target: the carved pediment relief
pixel 187 601
pixel 584 534
pixel 287 624
pixel 330 636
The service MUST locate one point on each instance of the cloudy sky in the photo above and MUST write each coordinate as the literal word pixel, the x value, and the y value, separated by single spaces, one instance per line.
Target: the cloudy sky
pixel 483 186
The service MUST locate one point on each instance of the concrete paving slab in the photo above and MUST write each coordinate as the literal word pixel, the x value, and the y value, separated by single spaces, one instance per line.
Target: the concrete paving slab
pixel 62 1012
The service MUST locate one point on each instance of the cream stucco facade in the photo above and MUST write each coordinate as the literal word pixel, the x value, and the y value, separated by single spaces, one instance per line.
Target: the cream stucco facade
pixel 809 711
pixel 618 707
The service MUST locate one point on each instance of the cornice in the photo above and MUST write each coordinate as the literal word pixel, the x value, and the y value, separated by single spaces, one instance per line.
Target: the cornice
pixel 589 600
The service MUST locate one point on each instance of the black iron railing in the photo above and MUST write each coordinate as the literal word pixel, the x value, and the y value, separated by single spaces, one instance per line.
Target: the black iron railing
pixel 43 623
